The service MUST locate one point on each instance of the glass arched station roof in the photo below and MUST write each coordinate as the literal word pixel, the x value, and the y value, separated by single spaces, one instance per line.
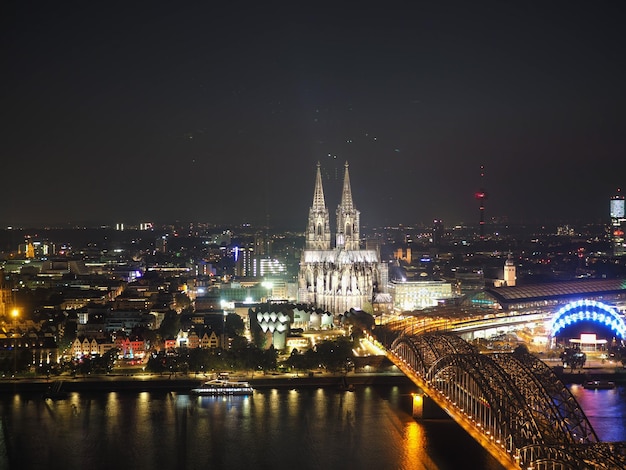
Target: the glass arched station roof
pixel 509 297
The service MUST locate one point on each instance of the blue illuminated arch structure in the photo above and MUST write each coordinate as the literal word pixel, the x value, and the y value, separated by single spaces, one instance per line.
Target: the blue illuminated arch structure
pixel 588 310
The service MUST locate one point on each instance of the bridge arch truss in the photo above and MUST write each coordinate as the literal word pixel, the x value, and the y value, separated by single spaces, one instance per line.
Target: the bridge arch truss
pixel 513 401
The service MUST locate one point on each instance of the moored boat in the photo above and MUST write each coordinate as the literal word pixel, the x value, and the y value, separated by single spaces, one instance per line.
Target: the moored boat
pixel 223 387
pixel 55 392
pixel 599 385
pixel 345 386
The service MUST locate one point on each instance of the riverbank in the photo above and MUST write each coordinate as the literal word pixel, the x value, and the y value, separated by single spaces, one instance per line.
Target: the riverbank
pixel 593 370
pixel 178 383
pixel 141 383
pixel 581 376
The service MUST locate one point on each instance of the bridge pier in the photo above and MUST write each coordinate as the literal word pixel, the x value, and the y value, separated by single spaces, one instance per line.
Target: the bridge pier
pixel 423 407
pixel 418 405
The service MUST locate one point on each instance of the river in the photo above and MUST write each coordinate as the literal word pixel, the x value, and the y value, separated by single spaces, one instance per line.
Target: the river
pixel 273 429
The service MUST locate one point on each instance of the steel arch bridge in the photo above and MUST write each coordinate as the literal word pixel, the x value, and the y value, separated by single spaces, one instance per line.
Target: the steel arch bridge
pixel 511 403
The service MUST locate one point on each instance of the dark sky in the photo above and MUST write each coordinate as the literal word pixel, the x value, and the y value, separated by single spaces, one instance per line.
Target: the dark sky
pixel 163 111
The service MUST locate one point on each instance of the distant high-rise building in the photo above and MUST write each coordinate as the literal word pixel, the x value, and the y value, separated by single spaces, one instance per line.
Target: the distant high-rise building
pixel 262 244
pixel 618 222
pixel 438 231
pixel 268 266
pixel 243 256
pixel 161 244
pixel 344 277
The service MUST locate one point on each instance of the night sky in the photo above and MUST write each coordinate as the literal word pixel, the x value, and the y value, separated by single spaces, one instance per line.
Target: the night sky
pixel 194 111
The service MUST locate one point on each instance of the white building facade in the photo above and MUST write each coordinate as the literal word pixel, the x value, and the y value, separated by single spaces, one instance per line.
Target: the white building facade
pixel 417 295
pixel 342 277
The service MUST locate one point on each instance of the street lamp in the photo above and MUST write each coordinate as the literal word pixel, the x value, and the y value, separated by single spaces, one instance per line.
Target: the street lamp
pixel 15 313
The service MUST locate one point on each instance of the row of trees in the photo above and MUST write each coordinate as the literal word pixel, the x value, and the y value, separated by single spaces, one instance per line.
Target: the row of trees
pixel 574 358
pixel 332 355
pixel 246 358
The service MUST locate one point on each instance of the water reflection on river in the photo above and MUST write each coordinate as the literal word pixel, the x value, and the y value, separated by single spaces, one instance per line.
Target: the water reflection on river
pixel 274 429
pixel 606 410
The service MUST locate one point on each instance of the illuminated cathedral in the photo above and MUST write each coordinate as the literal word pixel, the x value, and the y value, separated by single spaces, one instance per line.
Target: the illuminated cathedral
pixel 340 277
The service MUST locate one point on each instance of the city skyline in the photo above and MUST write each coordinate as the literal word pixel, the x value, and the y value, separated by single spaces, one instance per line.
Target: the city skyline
pixel 220 114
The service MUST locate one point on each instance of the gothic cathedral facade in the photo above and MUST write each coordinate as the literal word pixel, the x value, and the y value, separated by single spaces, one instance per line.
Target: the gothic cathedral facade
pixel 340 277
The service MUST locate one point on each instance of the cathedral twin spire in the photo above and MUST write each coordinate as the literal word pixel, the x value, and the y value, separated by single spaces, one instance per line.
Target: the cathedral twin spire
pixel 348 223
pixel 318 230
pixel 319 204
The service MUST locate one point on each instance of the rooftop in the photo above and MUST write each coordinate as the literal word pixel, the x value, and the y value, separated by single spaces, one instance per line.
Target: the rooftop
pixel 555 290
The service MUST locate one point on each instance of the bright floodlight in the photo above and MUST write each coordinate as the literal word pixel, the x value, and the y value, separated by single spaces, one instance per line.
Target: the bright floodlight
pixel 588 310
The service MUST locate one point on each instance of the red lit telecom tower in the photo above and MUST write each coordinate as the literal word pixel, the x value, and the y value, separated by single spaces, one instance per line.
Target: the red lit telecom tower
pixel 481 195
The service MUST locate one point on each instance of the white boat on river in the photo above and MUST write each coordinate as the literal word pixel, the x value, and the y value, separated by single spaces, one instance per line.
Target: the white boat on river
pixel 223 387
